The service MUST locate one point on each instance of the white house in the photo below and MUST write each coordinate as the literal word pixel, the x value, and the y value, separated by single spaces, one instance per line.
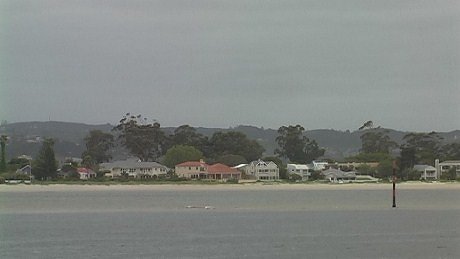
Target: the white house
pixel 261 170
pixel 444 167
pixel 427 172
pixel 134 168
pixel 319 165
pixel 303 171
pixel 86 173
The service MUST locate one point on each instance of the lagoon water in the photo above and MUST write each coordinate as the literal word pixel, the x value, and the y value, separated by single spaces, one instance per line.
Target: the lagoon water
pixel 133 222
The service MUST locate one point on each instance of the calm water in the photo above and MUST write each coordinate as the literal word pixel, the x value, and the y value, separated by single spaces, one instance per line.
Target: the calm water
pixel 244 224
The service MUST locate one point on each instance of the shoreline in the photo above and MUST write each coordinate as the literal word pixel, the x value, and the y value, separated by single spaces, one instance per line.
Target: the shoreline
pixel 227 187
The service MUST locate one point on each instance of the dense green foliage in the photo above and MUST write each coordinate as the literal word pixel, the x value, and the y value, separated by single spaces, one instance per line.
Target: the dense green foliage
pixel 449 175
pixel 18 162
pixel 231 160
pixel 369 157
pixel 149 142
pixel 45 166
pixel 98 145
pixel 450 151
pixel 420 148
pixel 376 141
pixel 145 140
pixel 187 136
pixel 296 147
pixel 181 153
pixel 234 143
pixel 384 169
pixel 3 140
pixel 409 174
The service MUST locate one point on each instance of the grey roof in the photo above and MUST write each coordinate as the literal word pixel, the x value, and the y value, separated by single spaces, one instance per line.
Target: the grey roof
pixel 424 167
pixel 261 162
pixel 450 162
pixel 300 166
pixel 338 173
pixel 131 163
pixel 24 170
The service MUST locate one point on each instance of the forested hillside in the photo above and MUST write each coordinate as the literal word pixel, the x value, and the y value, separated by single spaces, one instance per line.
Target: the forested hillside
pixel 26 137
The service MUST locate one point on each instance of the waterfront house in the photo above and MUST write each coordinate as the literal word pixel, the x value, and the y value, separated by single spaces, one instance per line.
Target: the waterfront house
pixel 338 176
pixel 261 170
pixel 192 170
pixel 444 167
pixel 319 165
pixel 133 168
pixel 86 173
pixel 304 171
pixel 222 172
pixel 427 172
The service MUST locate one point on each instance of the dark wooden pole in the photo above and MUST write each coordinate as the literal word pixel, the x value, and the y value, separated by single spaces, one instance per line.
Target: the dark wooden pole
pixel 394 184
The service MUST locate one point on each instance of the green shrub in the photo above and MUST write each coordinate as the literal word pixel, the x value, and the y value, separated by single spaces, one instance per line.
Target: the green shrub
pixel 15 176
pixel 232 181
pixel 295 177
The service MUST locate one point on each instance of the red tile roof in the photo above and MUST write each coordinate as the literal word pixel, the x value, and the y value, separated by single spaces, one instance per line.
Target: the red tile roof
pixel 221 168
pixel 192 163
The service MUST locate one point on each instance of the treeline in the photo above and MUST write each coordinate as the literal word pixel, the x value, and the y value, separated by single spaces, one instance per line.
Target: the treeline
pixel 417 148
pixel 149 142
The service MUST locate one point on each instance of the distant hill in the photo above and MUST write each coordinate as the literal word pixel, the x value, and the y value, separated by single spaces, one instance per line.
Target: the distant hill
pixel 26 137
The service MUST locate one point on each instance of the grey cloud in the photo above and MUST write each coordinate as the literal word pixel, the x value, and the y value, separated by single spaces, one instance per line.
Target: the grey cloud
pixel 326 64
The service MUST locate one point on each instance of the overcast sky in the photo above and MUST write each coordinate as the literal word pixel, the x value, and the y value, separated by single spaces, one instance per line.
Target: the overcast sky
pixel 321 64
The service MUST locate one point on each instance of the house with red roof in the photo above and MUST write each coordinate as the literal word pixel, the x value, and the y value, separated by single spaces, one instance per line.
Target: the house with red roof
pixel 192 170
pixel 201 170
pixel 223 172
